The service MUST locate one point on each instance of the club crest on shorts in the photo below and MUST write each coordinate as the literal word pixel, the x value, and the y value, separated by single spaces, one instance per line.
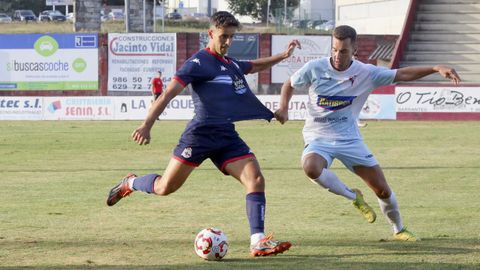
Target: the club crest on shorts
pixel 187 152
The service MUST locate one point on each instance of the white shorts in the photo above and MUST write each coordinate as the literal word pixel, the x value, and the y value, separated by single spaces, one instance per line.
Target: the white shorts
pixel 350 152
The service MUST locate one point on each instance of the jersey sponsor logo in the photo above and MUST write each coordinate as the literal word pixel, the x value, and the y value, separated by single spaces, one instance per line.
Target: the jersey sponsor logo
pixel 330 120
pixel 239 85
pixel 222 68
pixel 334 103
pixel 187 152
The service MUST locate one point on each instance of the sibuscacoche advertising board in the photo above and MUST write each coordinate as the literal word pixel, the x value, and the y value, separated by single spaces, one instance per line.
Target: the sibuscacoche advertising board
pixel 48 62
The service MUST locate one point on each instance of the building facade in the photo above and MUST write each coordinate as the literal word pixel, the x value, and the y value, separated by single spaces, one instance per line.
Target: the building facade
pixel 372 17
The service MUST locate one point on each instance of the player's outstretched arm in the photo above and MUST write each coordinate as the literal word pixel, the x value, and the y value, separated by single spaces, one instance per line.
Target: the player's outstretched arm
pixel 141 135
pixel 282 113
pixel 268 62
pixel 407 74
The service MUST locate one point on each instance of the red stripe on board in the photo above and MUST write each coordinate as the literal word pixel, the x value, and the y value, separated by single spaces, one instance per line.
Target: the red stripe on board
pixel 404 35
pixel 445 84
pixel 387 89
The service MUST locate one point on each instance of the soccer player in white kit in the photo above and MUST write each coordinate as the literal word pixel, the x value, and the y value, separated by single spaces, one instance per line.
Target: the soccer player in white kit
pixel 338 86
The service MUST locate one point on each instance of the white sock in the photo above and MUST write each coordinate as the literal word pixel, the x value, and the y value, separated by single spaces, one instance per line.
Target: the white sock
pixel 130 182
pixel 331 182
pixel 254 238
pixel 390 209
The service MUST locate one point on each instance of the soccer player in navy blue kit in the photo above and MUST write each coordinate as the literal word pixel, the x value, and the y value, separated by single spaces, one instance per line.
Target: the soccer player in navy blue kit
pixel 221 96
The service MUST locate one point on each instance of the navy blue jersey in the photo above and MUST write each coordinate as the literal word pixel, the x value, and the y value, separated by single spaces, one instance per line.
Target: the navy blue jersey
pixel 220 91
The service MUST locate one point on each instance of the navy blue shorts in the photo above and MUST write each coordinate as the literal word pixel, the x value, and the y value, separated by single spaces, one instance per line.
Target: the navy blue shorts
pixel 220 143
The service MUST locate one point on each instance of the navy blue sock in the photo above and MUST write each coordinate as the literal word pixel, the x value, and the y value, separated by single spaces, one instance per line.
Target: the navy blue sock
pixel 145 183
pixel 256 211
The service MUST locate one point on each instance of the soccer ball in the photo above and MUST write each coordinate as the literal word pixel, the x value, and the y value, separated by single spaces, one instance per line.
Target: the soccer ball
pixel 211 244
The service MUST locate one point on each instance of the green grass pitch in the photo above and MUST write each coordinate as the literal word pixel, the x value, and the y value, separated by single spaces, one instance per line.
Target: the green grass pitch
pixel 55 176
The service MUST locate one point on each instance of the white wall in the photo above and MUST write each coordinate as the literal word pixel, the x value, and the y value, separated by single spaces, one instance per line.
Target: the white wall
pixel 317 9
pixel 374 17
pixel 192 5
pixel 312 9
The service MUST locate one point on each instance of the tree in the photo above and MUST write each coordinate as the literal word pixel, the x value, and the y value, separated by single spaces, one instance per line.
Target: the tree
pixel 258 9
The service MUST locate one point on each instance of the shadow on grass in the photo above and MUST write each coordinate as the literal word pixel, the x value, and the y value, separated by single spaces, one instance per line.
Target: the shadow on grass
pixel 435 246
pixel 290 263
pixel 342 254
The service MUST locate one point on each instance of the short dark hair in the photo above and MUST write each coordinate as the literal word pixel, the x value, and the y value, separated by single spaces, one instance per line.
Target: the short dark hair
pixel 344 31
pixel 221 19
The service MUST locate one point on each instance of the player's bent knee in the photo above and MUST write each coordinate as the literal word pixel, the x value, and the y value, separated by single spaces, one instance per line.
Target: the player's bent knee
pixel 312 171
pixel 256 183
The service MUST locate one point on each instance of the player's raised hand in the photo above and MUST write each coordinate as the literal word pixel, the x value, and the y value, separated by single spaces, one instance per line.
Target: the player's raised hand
pixel 281 115
pixel 291 47
pixel 449 73
pixel 141 135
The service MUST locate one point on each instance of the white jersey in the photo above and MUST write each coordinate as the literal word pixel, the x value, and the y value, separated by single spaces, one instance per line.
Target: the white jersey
pixel 335 98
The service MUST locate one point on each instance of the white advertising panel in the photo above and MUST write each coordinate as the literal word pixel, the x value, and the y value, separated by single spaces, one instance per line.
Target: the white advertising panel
pixel 379 107
pixel 181 107
pixel 437 99
pixel 136 108
pixel 376 107
pixel 132 108
pixel 78 108
pixel 133 59
pixel 313 47
pixel 297 108
pixel 48 62
pixel 21 108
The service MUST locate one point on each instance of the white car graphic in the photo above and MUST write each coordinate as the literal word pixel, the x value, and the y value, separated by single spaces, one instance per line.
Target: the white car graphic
pixel 46 46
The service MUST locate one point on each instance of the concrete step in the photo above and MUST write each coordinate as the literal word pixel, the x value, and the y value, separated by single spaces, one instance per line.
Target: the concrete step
pixel 460 67
pixel 448 2
pixel 428 36
pixel 448 17
pixel 441 56
pixel 449 8
pixel 446 27
pixel 443 46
